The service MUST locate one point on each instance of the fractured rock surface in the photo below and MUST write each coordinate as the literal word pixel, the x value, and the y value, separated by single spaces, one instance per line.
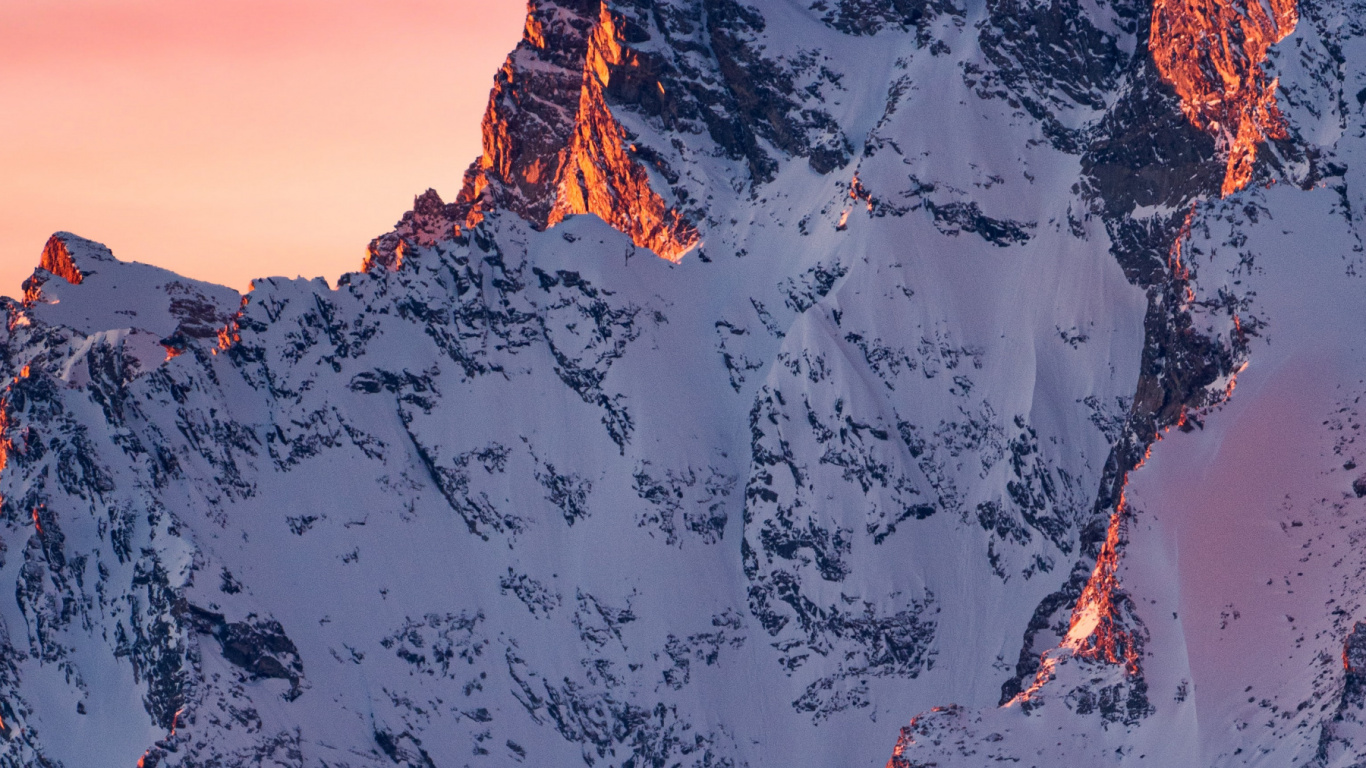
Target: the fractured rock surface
pixel 999 374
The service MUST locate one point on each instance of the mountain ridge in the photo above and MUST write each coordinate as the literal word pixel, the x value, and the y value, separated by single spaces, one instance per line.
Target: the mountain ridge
pixel 883 432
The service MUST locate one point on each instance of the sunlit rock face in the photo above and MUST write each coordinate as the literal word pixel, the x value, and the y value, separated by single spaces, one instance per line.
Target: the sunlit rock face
pixel 840 383
pixel 57 260
pixel 1213 54
pixel 525 166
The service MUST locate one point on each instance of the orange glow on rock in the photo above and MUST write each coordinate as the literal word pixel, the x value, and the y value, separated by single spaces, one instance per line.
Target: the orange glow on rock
pixel 1147 454
pixel 6 443
pixel 1233 380
pixel 591 171
pixel 898 758
pixel 859 192
pixel 856 192
pixel 907 738
pixel 1211 52
pixel 228 335
pixel 1097 630
pixel 231 333
pixel 598 176
pixel 1174 260
pixel 57 260
pixel 533 33
pixel 392 261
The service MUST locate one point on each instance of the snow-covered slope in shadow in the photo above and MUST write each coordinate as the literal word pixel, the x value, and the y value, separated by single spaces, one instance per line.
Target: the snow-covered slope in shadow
pixel 521 491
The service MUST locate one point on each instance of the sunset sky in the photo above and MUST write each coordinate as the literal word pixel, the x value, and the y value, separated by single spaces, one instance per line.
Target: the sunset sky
pixel 232 139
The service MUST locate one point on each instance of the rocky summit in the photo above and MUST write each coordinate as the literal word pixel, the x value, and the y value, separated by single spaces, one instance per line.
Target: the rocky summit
pixel 806 384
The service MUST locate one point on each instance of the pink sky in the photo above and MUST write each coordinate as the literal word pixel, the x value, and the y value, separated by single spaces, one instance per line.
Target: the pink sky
pixel 232 139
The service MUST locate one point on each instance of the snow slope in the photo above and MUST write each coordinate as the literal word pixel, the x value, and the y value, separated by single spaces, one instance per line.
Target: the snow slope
pixel 520 491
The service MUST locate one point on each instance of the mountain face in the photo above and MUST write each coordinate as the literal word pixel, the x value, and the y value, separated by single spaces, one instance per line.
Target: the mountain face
pixel 783 373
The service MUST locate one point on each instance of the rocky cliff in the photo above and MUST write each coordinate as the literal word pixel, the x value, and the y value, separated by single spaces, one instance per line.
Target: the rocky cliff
pixel 782 373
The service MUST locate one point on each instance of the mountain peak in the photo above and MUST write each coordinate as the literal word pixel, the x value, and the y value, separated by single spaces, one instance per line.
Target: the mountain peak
pixel 552 145
pixel 989 404
pixel 71 257
pixel 58 260
pixel 79 283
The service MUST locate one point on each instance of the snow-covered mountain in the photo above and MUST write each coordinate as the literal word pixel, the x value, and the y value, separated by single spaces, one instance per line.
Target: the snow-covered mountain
pixel 783 373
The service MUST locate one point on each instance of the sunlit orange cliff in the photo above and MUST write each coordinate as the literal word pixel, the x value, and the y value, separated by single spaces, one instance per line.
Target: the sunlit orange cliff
pixel 1212 52
pixel 544 162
